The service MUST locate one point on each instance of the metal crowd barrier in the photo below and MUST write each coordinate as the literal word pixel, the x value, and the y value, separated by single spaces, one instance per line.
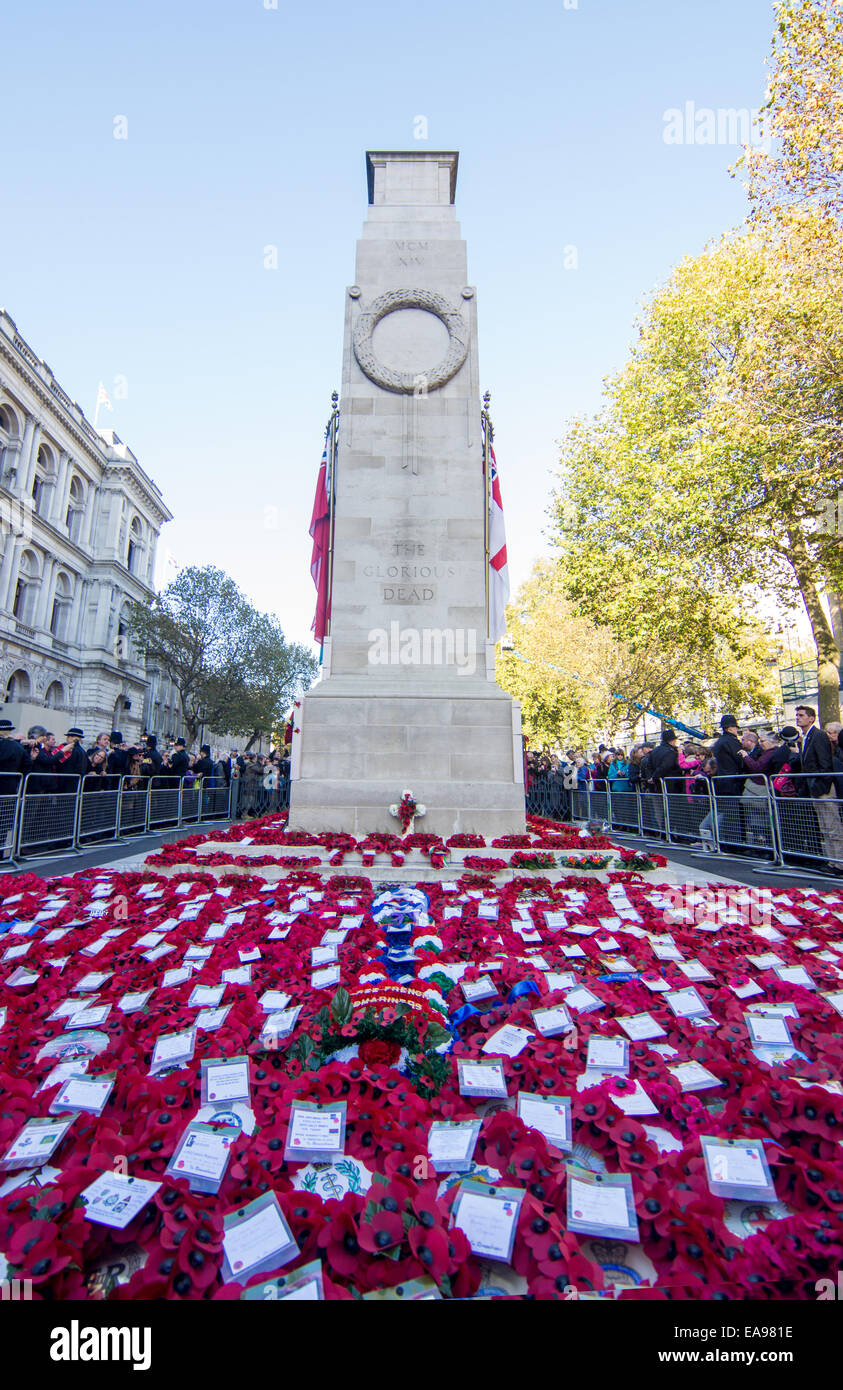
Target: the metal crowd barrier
pixel 259 796
pixel 785 832
pixel 44 814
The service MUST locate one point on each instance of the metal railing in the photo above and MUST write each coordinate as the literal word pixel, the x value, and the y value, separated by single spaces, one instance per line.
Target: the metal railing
pixel 43 814
pixel 259 796
pixel 711 815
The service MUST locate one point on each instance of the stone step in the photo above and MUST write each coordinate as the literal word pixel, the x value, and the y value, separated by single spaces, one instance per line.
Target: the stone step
pixel 388 873
pixel 353 858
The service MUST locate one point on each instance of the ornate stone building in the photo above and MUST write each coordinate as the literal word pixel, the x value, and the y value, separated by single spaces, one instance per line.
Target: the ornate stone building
pixel 79 526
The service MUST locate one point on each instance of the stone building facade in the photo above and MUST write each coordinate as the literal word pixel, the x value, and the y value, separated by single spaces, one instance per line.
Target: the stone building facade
pixel 79 527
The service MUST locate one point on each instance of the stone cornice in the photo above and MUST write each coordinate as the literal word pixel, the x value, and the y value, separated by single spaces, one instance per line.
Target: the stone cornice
pixel 53 402
pixel 60 407
pixel 133 483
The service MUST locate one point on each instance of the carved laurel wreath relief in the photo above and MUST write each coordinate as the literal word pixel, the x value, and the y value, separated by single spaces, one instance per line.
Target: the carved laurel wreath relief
pixel 407 382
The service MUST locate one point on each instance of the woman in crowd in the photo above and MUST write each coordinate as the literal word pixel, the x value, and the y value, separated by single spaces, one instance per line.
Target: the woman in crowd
pixel 619 772
pixel 636 778
pixel 96 778
pixel 691 759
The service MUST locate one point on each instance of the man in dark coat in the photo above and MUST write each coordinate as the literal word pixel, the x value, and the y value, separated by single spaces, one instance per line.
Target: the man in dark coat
pixel 817 782
pixel 179 761
pixel 204 765
pixel 833 731
pixel 728 783
pixel 152 760
pixel 664 763
pixel 731 774
pixel 12 759
pixel 118 758
pixel 39 768
pixel 71 759
pixel 659 769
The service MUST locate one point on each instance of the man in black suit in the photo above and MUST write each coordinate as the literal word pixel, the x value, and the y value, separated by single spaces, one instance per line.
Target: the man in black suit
pixel 834 731
pixel 152 760
pixel 71 760
pixel 662 767
pixel 179 761
pixel 12 758
pixel 728 783
pixel 118 758
pixel 817 781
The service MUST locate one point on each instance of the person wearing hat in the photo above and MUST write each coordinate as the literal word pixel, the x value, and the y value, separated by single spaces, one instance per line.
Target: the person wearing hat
pixel 118 758
pixel 12 759
pixel 179 761
pixel 152 760
pixel 728 781
pixel 730 758
pixel 204 765
pixel 663 767
pixel 72 760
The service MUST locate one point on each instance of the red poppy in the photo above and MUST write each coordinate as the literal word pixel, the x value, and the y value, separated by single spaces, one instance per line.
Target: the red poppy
pixel 340 1239
pixel 378 1052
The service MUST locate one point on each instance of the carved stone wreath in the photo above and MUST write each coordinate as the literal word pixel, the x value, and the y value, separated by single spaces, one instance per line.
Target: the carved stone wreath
pixel 408 382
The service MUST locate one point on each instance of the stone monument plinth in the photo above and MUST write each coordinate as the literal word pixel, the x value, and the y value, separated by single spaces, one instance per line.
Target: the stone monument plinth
pixel 407 698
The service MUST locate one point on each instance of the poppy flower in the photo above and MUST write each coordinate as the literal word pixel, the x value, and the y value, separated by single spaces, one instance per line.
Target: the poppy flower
pixel 382 1231
pixel 340 1239
pixel 432 1248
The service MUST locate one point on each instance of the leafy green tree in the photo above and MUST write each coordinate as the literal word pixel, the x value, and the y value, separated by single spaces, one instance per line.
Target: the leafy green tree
pixel 576 680
pixel 803 114
pixel 231 664
pixel 711 474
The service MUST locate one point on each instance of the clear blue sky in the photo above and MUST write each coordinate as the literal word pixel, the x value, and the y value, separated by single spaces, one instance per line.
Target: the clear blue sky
pixel 247 126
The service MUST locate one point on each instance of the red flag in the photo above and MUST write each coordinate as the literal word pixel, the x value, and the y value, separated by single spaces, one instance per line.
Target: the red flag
pixel 498 570
pixel 320 530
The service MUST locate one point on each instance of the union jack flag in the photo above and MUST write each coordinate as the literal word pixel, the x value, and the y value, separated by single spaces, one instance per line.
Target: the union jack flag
pixel 498 568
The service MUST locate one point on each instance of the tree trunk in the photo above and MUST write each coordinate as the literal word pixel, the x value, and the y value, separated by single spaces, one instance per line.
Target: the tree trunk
pixel 252 738
pixel 828 653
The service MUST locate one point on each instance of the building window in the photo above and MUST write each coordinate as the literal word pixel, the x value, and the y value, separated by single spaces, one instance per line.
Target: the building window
pixel 75 509
pixel 54 698
pixel 26 588
pixel 61 608
pixel 18 687
pixel 135 551
pixel 45 473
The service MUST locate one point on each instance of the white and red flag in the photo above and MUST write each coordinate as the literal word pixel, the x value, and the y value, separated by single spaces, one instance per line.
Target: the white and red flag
pixel 498 569
pixel 320 530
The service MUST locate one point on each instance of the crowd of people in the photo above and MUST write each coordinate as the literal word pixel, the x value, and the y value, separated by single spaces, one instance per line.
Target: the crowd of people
pixel 41 760
pixel 733 773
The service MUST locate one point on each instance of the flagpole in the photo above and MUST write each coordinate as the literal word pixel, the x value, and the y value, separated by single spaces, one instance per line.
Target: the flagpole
pixel 331 436
pixel 487 441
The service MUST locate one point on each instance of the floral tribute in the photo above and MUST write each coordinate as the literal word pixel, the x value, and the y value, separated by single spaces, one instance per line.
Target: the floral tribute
pixel 406 810
pixel 384 1024
pixel 97 968
pixel 272 830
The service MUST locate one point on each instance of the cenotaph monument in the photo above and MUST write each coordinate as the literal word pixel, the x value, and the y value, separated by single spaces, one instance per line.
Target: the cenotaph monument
pixel 407 699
